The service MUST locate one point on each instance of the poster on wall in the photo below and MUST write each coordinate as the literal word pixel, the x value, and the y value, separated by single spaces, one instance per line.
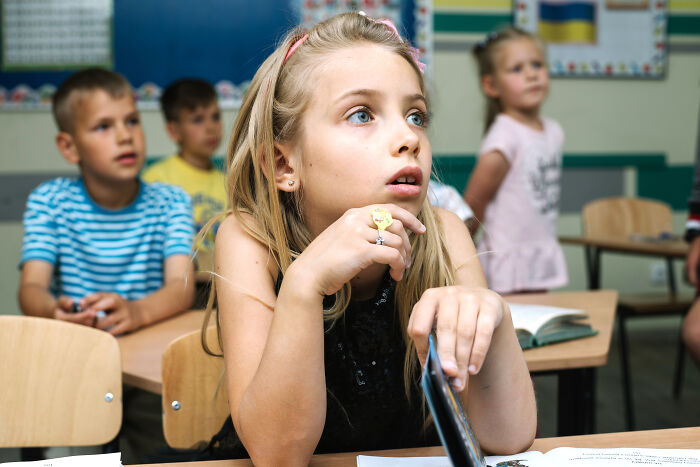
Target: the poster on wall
pixel 216 42
pixel 599 38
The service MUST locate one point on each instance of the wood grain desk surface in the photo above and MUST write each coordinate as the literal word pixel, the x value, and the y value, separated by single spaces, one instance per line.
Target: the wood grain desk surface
pixel 142 351
pixel 673 248
pixel 676 438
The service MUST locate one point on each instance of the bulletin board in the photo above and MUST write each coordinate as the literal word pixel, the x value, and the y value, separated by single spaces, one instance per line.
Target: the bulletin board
pixel 154 42
pixel 599 38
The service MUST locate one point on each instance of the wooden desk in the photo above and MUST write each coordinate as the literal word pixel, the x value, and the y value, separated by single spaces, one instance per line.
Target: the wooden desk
pixel 677 438
pixel 142 351
pixel 594 246
pixel 574 362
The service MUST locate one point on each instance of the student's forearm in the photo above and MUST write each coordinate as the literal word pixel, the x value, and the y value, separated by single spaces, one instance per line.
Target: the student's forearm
pixel 282 413
pixel 35 300
pixel 174 297
pixel 501 395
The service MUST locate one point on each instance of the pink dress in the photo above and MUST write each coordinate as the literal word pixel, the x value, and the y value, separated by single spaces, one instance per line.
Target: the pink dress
pixel 519 248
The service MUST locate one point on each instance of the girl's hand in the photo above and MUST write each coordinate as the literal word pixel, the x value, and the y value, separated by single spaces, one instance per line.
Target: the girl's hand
pixel 121 314
pixel 348 246
pixel 465 319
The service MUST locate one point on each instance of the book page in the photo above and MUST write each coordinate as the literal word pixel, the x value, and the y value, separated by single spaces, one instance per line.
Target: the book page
pixel 532 317
pixel 623 457
pixel 526 459
pixel 113 459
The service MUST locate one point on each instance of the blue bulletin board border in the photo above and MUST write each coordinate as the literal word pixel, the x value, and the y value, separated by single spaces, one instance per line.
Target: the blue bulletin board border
pixel 158 41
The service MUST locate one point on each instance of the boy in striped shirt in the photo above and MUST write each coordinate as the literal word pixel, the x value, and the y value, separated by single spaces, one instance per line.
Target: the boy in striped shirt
pixel 104 244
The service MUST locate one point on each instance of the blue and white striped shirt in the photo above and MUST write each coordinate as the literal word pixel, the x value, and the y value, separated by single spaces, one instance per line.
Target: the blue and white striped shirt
pixel 94 249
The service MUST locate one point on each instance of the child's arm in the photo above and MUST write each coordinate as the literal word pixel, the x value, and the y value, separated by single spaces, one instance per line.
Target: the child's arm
pixel 175 296
pixel 486 178
pixel 273 345
pixel 36 300
pixel 478 346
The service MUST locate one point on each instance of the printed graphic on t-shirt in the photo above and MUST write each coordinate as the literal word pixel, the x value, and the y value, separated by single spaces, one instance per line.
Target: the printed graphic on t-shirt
pixel 542 173
pixel 206 207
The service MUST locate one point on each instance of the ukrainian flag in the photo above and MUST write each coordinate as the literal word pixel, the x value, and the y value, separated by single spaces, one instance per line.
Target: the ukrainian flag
pixel 567 22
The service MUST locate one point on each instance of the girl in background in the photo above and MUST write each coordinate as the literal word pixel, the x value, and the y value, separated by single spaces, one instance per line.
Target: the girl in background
pixel 514 188
pixel 333 268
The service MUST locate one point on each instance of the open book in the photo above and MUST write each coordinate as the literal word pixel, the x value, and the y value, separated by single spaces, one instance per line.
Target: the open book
pixel 113 459
pixel 538 325
pixel 559 457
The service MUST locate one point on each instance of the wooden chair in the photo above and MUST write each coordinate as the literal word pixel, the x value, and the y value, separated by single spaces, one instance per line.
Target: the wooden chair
pixel 195 401
pixel 625 217
pixel 60 384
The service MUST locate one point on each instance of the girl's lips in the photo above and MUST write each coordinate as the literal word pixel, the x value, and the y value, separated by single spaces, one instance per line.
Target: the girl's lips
pixel 404 189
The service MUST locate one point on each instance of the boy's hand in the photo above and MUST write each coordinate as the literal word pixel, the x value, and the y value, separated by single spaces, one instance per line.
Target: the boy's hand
pixel 64 312
pixel 122 315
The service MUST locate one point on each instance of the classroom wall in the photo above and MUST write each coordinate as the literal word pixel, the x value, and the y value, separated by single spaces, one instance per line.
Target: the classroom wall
pixel 599 117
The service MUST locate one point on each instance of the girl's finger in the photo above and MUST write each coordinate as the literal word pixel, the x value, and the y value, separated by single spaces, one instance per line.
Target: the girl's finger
pixel 466 329
pixel 398 228
pixel 391 257
pixel 420 324
pixel 447 316
pixel 408 220
pixel 485 325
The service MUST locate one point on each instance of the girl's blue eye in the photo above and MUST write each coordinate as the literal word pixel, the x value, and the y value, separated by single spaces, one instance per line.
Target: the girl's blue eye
pixel 361 116
pixel 416 119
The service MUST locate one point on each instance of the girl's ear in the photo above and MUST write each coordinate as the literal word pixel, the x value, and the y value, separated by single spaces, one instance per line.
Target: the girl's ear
pixel 489 86
pixel 286 161
pixel 66 146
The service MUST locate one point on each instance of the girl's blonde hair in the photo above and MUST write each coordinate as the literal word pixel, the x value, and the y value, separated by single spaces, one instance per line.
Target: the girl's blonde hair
pixel 271 113
pixel 486 53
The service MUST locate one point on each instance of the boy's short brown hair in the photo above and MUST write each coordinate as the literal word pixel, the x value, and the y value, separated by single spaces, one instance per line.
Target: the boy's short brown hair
pixel 90 79
pixel 187 93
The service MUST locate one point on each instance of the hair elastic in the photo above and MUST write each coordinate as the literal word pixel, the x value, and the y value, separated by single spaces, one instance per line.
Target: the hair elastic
pixel 294 47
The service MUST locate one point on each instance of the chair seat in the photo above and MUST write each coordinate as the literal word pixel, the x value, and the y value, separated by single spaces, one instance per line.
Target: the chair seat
pixel 655 303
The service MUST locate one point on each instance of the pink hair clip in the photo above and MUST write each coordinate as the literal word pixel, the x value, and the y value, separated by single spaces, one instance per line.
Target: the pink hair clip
pixel 415 54
pixel 294 47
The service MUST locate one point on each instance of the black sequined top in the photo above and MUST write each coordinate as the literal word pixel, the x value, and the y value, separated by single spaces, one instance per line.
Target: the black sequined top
pixel 367 407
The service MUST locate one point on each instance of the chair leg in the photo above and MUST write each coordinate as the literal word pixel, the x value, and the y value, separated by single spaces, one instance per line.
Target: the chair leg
pixel 624 363
pixel 678 376
pixel 680 361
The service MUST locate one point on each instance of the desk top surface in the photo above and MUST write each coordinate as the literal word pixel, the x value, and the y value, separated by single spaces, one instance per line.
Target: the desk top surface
pixel 142 351
pixel 677 438
pixel 672 248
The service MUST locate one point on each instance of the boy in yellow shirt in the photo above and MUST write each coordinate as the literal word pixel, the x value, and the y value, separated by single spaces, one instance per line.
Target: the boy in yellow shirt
pixel 193 122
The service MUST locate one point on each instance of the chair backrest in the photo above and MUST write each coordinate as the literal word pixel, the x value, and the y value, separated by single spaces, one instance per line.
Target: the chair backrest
pixel 195 401
pixel 60 383
pixel 623 216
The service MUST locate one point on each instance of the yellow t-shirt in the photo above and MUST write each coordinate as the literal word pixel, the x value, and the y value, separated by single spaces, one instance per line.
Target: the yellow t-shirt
pixel 206 187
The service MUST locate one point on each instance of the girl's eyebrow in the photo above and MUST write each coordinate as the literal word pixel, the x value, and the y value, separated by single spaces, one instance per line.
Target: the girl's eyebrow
pixel 374 93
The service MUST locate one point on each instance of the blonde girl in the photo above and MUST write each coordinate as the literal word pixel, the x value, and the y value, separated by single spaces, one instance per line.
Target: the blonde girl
pixel 514 188
pixel 324 320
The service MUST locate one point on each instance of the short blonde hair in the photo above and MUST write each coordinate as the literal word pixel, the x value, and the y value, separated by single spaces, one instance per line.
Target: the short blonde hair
pixel 91 79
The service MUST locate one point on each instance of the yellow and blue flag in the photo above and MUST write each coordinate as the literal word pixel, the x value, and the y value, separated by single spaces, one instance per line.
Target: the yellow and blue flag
pixel 567 22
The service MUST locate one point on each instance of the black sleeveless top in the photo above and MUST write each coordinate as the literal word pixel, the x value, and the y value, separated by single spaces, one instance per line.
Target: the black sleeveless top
pixel 366 403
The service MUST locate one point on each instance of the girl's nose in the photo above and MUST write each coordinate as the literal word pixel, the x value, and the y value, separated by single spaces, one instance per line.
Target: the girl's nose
pixel 406 141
